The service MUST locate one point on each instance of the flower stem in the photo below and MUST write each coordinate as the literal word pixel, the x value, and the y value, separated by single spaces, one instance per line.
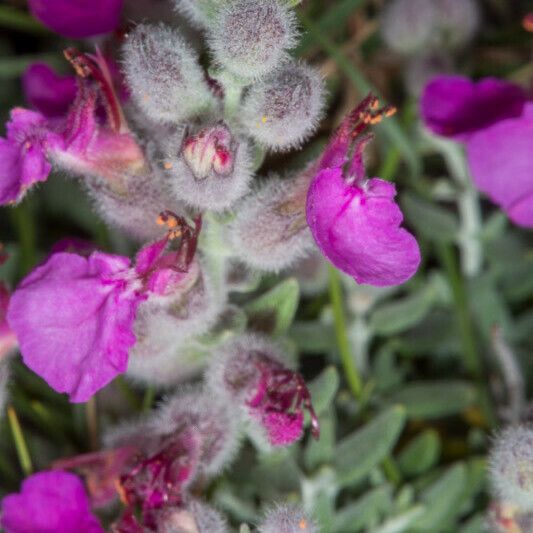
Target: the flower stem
pixel 343 344
pixel 92 423
pixel 20 442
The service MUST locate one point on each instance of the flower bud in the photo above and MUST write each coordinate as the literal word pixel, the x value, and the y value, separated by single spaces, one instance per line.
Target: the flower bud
pixel 164 76
pixel 408 25
pixel 250 37
pixel 283 109
pixel 457 21
pixel 511 467
pixel 207 168
pixel 270 231
pixel 287 519
pixel 248 373
pixel 194 517
pixel 213 420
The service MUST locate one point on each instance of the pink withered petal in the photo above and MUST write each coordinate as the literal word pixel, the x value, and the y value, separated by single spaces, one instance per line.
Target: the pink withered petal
pixel 501 162
pixel 78 18
pixel 283 428
pixel 355 221
pixel 24 153
pixel 456 107
pixel 49 502
pixel 48 92
pixel 73 317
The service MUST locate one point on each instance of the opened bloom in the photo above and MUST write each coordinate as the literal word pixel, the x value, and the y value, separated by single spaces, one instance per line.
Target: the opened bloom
pixel 355 220
pixel 495 122
pixel 52 501
pixel 78 18
pixel 74 315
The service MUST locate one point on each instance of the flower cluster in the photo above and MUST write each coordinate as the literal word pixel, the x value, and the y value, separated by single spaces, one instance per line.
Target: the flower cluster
pixel 162 143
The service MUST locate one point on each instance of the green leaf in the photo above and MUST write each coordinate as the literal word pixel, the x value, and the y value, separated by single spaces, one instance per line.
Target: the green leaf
pixel 430 219
pixel 321 451
pixel 324 388
pixel 421 454
pixel 365 512
pixel 403 522
pixel 426 400
pixel 278 305
pixel 313 338
pixel 442 500
pixel 358 453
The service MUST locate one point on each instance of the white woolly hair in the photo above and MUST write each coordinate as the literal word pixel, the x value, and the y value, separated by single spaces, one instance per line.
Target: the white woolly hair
pixel 511 466
pixel 215 420
pixel 161 356
pixel 284 108
pixel 214 193
pixel 251 37
pixel 180 520
pixel 287 518
pixel 199 12
pixel 163 73
pixel 263 238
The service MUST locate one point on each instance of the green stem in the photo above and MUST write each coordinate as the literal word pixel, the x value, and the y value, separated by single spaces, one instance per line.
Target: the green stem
pixel 148 399
pixel 20 442
pixel 23 221
pixel 343 344
pixel 472 359
pixel 91 413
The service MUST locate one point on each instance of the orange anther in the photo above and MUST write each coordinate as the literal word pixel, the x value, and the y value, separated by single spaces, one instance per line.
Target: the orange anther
pixel 390 111
pixel 167 165
pixel 302 524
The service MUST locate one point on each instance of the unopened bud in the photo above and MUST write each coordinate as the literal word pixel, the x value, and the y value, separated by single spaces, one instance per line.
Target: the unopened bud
pixel 250 37
pixel 457 22
pixel 164 76
pixel 209 168
pixel 408 25
pixel 287 519
pixel 270 231
pixel 248 372
pixel 511 467
pixel 194 517
pixel 283 109
pixel 213 420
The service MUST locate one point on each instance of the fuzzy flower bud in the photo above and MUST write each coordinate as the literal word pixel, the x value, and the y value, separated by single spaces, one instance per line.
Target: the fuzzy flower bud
pixel 208 168
pixel 164 76
pixel 250 37
pixel 283 109
pixel 287 519
pixel 193 517
pixel 457 22
pixel 248 372
pixel 511 467
pixel 270 231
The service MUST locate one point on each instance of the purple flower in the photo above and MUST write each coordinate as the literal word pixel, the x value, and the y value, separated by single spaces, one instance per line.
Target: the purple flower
pixel 354 220
pixel 78 18
pixel 74 315
pixel 24 153
pixel 49 502
pixel 49 93
pixel 494 121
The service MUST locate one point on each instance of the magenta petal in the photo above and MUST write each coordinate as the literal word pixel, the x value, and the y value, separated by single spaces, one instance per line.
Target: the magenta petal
pixel 283 428
pixel 357 229
pixel 454 106
pixel 10 172
pixel 501 162
pixel 73 318
pixel 49 502
pixel 78 18
pixel 48 92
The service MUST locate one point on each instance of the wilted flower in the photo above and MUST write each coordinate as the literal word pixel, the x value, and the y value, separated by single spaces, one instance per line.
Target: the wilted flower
pixel 47 92
pixel 77 18
pixel 287 519
pixel 495 122
pixel 249 373
pixel 49 501
pixel 74 315
pixel 354 220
